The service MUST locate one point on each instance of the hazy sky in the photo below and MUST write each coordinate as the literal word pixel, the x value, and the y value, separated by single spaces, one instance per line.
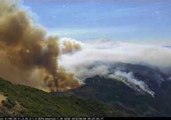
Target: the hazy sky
pixel 125 20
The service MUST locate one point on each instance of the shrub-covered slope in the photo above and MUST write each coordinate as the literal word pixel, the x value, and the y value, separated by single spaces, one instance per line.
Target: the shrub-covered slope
pixel 18 100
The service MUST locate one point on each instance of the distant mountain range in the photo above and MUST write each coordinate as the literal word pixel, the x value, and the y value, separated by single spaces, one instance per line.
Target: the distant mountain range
pixel 141 90
pixel 126 90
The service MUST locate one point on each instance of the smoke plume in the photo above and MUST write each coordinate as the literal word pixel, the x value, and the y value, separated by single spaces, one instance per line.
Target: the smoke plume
pixel 28 55
pixel 128 79
pixel 69 45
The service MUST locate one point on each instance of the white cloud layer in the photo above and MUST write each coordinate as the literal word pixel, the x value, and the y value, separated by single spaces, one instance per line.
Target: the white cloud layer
pixel 110 51
pixel 91 52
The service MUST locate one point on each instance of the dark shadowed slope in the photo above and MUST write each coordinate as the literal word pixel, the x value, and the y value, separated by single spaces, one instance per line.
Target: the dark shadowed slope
pixel 117 93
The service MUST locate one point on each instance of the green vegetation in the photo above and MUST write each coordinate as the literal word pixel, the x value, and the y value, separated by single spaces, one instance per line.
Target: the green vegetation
pixel 27 101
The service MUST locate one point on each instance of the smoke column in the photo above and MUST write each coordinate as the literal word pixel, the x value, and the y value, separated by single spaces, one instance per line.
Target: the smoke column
pixel 27 55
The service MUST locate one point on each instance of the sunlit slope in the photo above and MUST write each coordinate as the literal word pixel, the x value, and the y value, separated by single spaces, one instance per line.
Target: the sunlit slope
pixel 18 100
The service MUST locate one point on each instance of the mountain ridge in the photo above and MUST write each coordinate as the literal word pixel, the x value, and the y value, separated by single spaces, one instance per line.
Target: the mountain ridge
pixel 116 92
pixel 26 101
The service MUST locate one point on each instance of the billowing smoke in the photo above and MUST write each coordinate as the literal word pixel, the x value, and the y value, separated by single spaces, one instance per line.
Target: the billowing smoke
pixel 69 45
pixel 27 55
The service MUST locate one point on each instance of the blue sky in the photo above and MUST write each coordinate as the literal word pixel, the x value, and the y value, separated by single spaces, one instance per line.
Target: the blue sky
pixel 123 20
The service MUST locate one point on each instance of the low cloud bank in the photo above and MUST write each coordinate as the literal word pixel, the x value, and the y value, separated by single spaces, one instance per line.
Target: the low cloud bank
pixel 111 51
pixel 82 63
